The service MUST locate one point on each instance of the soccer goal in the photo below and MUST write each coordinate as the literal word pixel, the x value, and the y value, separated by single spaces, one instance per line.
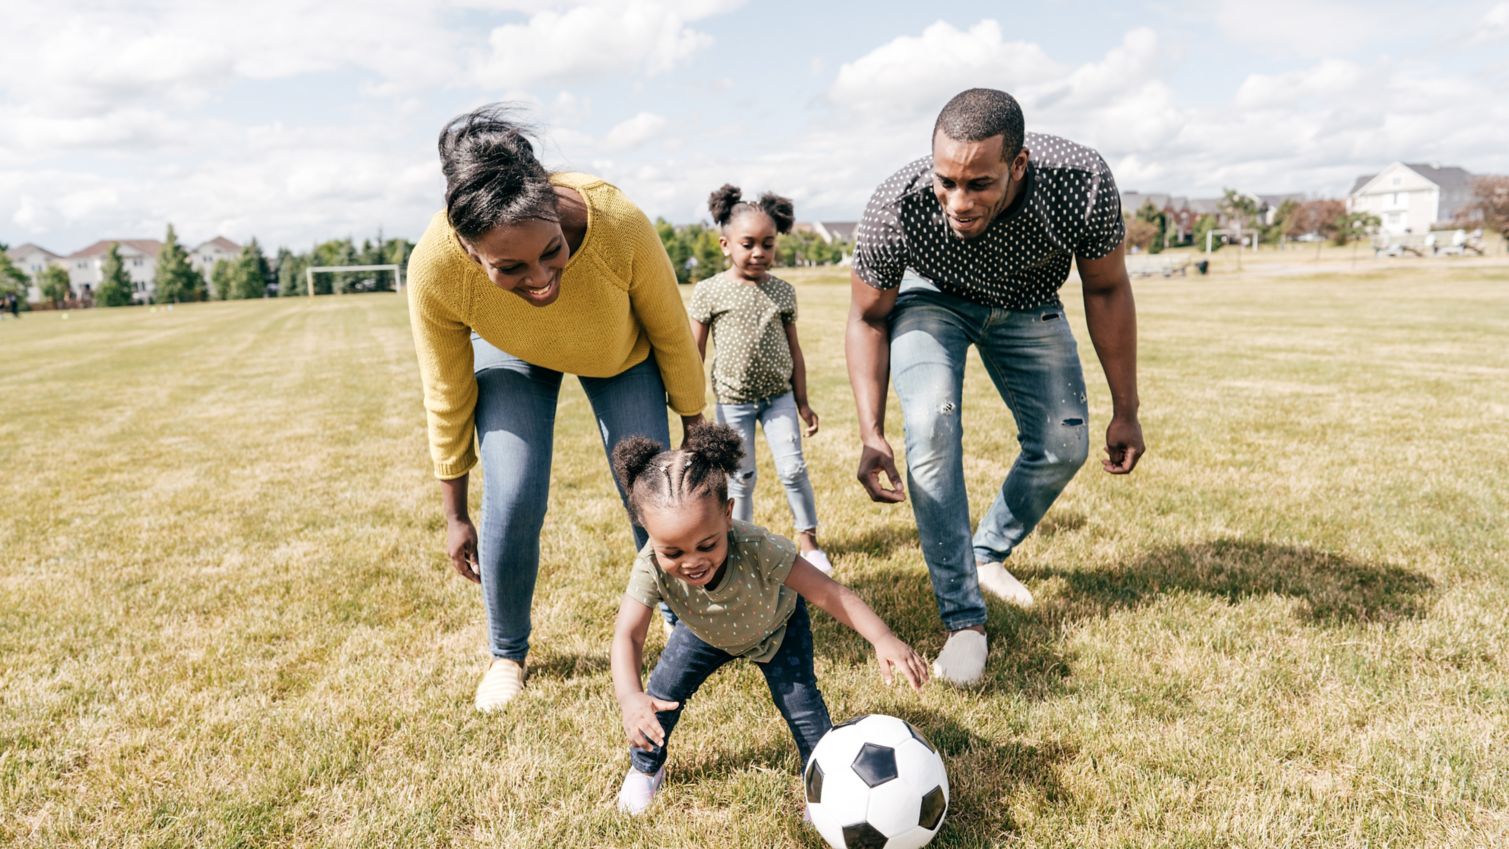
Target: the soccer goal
pixel 310 272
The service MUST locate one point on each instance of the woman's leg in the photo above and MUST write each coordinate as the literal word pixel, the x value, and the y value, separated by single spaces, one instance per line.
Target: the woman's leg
pixel 741 485
pixel 793 684
pixel 515 419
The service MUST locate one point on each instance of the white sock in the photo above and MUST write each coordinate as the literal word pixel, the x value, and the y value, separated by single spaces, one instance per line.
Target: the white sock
pixel 962 660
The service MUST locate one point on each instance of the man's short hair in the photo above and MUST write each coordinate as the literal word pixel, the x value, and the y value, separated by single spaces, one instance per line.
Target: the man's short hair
pixel 977 114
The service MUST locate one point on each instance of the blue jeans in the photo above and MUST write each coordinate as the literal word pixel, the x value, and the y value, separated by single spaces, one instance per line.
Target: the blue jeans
pixel 688 661
pixel 783 432
pixel 1031 357
pixel 515 417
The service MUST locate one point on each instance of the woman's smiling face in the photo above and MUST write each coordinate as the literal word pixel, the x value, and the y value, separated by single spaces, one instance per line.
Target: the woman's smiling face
pixel 525 259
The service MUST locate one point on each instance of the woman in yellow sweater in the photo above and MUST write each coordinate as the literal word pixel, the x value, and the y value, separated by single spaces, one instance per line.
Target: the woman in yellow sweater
pixel 527 275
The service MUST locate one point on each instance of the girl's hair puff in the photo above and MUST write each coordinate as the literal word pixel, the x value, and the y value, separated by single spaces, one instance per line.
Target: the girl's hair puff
pixel 727 202
pixel 650 474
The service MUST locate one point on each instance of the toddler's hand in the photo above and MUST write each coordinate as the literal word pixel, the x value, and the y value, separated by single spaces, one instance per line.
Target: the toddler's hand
pixel 641 725
pixel 809 417
pixel 891 653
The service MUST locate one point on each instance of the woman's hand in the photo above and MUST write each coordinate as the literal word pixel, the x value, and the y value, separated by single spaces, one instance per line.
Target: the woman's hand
pixel 687 423
pixel 641 725
pixel 461 545
pixel 893 654
pixel 807 416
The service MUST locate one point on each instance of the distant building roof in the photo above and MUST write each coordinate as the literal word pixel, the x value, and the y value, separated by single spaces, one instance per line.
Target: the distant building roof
pixel 1450 178
pixel 147 247
pixel 1361 181
pixel 218 243
pixel 841 230
pixel 29 248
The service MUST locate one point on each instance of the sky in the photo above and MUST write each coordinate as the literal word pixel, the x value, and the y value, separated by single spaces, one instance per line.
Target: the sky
pixel 297 121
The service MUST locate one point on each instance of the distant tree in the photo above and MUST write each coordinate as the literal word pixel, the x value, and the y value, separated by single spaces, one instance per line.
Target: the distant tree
pixel 1203 225
pixel 334 252
pixel 55 286
pixel 115 284
pixel 222 279
pixel 1278 231
pixel 1140 234
pixel 1321 217
pixel 1355 226
pixel 289 268
pixel 251 273
pixel 1490 196
pixel 1151 214
pixel 1241 211
pixel 13 281
pixel 176 279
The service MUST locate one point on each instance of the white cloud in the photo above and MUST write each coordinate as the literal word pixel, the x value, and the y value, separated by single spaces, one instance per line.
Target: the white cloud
pixel 632 38
pixel 1310 28
pixel 635 131
pixel 1495 24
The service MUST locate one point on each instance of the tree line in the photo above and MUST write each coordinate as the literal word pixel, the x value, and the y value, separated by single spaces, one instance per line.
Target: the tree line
pixel 696 254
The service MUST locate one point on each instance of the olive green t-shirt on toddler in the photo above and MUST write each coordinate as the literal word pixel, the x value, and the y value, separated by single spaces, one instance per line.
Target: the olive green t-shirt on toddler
pixel 745 614
pixel 751 357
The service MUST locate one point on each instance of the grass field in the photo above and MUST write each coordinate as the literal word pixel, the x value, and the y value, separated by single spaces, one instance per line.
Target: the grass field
pixel 226 619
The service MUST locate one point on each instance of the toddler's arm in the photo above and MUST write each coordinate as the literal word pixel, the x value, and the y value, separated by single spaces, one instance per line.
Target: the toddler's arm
pixel 699 335
pixel 641 725
pixel 846 606
pixel 799 379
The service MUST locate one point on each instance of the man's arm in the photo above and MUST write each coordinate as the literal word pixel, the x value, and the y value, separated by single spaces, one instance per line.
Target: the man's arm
pixel 1111 315
pixel 867 347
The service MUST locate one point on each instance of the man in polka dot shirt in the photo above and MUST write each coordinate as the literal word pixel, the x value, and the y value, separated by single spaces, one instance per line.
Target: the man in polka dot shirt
pixel 969 246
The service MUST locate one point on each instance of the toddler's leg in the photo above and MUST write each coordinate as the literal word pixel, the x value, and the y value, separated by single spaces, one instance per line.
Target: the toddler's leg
pixel 783 431
pixel 686 662
pixel 793 684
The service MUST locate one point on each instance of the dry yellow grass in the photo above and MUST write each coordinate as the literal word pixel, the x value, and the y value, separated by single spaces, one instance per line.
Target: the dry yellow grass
pixel 226 620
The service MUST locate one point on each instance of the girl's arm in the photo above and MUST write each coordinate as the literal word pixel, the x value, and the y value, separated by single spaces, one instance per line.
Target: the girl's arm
pixel 641 725
pixel 798 378
pixel 843 604
pixel 699 335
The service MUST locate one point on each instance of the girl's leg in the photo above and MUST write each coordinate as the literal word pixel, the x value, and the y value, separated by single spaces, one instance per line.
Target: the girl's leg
pixel 783 431
pixel 741 485
pixel 515 419
pixel 686 662
pixel 793 684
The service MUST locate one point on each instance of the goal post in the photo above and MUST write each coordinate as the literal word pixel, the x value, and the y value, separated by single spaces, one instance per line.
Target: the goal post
pixel 310 272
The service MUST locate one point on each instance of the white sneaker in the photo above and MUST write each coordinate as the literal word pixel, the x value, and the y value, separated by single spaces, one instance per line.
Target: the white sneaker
pixel 962 660
pixel 1000 583
pixel 503 680
pixel 819 560
pixel 638 791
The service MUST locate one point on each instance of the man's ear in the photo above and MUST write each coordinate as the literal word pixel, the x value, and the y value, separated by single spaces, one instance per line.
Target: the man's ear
pixel 1019 164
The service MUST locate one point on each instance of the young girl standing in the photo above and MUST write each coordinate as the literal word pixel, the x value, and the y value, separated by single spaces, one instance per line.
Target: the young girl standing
pixel 737 590
pixel 758 371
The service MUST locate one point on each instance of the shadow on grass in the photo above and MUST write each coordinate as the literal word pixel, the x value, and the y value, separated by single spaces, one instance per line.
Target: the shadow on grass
pixel 1333 589
pixel 878 541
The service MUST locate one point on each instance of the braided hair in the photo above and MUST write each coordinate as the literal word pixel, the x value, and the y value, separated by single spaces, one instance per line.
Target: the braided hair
pixel 727 203
pixel 652 475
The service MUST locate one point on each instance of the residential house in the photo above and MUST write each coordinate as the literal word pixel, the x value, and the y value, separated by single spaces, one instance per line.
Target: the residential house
pixel 1413 197
pixel 138 256
pixel 32 259
pixel 205 255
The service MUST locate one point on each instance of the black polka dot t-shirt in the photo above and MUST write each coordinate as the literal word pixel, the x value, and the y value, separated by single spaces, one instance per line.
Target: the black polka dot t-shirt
pixel 1068 207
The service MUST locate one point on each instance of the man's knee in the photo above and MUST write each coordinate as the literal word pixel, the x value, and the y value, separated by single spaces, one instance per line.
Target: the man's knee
pixel 933 427
pixel 1066 448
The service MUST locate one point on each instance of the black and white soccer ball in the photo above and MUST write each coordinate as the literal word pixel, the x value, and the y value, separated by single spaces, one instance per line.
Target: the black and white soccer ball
pixel 875 782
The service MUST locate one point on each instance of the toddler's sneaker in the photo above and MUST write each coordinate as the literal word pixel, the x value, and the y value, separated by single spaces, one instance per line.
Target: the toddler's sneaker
pixel 1000 583
pixel 638 791
pixel 962 660
pixel 819 559
pixel 503 681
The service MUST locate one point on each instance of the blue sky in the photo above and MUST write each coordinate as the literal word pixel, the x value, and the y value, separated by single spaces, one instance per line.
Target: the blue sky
pixel 300 120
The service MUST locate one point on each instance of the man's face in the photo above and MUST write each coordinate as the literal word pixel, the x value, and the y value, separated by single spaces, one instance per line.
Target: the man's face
pixel 974 182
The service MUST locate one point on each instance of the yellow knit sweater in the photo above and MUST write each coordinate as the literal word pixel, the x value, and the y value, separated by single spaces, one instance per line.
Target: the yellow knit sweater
pixel 618 301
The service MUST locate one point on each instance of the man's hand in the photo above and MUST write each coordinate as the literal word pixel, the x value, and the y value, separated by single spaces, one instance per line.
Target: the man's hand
pixel 461 545
pixel 1123 445
pixel 876 459
pixel 641 725
pixel 809 417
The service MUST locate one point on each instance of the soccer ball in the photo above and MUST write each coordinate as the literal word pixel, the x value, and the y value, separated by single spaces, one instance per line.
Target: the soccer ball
pixel 875 782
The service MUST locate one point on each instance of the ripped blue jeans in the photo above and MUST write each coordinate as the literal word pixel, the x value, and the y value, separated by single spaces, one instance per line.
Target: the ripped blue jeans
pixel 783 430
pixel 1033 360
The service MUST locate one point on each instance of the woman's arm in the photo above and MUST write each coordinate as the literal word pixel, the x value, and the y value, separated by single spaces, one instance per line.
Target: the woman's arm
pixel 655 299
pixel 799 379
pixel 460 533
pixel 843 604
pixel 641 725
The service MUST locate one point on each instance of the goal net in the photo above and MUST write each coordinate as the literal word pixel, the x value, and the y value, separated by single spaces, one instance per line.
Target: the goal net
pixel 350 278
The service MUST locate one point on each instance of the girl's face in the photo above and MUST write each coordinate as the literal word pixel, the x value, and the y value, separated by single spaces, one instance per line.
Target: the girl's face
pixel 690 539
pixel 525 259
pixel 749 243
